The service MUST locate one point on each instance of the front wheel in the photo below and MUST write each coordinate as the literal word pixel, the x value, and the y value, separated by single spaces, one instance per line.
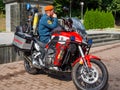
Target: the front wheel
pixel 94 79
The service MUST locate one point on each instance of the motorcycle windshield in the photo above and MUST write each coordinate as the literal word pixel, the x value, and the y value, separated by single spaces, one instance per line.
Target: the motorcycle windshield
pixel 78 26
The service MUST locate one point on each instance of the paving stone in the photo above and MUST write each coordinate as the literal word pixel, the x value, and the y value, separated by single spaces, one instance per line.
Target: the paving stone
pixel 14 77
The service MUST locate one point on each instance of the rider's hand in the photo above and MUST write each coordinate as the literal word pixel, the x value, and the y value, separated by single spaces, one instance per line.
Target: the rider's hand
pixel 55 15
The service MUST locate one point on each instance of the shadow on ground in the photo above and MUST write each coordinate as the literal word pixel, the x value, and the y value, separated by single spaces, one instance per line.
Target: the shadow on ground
pixel 64 76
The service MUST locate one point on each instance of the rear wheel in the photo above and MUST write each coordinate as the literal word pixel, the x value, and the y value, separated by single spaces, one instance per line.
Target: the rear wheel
pixel 29 67
pixel 95 79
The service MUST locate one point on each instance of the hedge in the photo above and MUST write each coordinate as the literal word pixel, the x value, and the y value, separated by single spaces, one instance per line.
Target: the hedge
pixel 95 19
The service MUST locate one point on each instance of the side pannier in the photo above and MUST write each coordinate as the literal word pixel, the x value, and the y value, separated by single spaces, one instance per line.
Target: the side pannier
pixel 22 40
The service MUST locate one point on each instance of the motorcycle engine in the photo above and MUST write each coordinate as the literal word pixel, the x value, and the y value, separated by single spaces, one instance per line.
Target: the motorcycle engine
pixel 72 48
pixel 50 57
pixel 37 58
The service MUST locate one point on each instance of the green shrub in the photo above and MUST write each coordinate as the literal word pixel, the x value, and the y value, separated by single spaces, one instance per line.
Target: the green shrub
pixel 95 19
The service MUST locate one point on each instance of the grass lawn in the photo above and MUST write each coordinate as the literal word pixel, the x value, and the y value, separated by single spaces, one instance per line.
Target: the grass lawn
pixel 2 23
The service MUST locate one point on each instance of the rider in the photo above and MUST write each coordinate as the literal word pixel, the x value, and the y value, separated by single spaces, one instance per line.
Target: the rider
pixel 47 23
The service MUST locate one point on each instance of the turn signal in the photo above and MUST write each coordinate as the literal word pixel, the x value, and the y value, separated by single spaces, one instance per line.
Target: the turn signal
pixel 81 61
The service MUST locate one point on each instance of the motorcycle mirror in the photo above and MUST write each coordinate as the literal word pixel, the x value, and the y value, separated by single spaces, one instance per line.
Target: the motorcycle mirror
pixel 28 6
pixel 65 9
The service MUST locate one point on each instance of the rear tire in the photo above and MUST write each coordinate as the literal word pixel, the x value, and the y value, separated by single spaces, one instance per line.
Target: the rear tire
pixel 97 81
pixel 29 67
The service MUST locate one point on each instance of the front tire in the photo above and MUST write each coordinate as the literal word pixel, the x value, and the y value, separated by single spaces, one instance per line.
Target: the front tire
pixel 97 79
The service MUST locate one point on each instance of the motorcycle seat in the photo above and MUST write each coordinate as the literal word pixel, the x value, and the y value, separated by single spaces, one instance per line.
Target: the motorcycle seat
pixel 42 45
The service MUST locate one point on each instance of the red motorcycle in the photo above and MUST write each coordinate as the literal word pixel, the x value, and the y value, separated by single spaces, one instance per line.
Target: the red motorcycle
pixel 68 51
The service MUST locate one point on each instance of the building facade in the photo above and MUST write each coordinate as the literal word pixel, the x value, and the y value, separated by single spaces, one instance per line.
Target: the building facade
pixel 16 11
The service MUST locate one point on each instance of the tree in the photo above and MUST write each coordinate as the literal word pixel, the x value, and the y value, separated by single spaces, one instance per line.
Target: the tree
pixel 114 7
pixel 59 4
pixel 92 4
pixel 106 4
pixel 2 7
pixel 88 4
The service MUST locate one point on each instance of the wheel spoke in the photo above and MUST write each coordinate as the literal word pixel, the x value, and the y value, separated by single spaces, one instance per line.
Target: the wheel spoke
pixel 79 77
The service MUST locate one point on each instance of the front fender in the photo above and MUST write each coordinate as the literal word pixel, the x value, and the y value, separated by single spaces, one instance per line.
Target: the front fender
pixel 88 58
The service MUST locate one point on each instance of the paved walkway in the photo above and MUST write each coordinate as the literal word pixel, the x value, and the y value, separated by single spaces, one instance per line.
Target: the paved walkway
pixel 14 77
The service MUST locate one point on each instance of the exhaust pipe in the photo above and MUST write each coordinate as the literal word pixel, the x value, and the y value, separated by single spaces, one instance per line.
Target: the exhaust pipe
pixel 28 59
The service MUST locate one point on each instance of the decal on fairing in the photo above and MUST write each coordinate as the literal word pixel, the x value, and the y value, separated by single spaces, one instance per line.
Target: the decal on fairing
pixel 62 39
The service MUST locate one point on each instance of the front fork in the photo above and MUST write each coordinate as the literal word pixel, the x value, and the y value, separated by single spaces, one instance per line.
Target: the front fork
pixel 83 59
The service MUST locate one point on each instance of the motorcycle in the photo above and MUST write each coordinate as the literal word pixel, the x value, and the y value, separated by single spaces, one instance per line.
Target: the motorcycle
pixel 67 51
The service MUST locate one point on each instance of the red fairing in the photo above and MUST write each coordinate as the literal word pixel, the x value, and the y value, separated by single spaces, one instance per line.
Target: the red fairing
pixel 59 54
pixel 88 58
pixel 61 46
pixel 78 38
